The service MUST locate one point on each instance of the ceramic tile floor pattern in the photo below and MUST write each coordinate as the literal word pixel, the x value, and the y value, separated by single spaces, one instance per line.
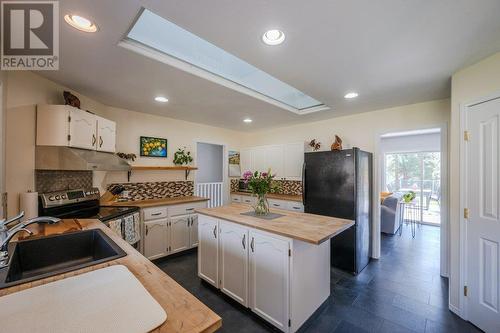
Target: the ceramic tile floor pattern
pixel 401 292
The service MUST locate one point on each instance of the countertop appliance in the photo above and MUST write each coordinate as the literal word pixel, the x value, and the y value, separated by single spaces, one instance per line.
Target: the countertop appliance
pixel 81 203
pixel 339 184
pixel 243 186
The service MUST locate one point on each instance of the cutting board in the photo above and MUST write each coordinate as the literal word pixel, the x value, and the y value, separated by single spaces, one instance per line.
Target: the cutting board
pixel 107 300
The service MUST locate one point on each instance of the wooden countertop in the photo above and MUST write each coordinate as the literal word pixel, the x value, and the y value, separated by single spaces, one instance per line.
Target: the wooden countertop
pixel 305 227
pixel 156 202
pixel 278 196
pixel 185 313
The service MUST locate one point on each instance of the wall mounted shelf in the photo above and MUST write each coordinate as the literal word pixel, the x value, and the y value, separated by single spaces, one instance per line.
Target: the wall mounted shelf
pixel 186 169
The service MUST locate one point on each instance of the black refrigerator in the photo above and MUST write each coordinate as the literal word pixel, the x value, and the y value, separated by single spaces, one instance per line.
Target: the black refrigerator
pixel 339 184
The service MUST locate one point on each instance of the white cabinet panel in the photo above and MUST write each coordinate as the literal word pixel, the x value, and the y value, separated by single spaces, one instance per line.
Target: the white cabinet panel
pixel 106 132
pixel 295 206
pixel 233 244
pixel 274 160
pixel 155 213
pixel 269 278
pixel 82 129
pixel 279 204
pixel 155 239
pixel 246 160
pixel 249 200
pixel 208 254
pixel 179 233
pixel 52 125
pixel 259 159
pixel 193 231
pixel 293 161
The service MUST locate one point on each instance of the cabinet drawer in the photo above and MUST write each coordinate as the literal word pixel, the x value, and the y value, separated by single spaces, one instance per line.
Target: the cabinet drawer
pixel 155 213
pixel 279 204
pixel 235 198
pixel 295 206
pixel 185 208
pixel 247 199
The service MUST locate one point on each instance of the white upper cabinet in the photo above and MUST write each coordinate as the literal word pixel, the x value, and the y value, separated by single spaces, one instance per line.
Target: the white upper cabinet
pixel 64 125
pixel 259 159
pixel 246 161
pixel 284 160
pixel 82 129
pixel 106 135
pixel 293 160
pixel 274 159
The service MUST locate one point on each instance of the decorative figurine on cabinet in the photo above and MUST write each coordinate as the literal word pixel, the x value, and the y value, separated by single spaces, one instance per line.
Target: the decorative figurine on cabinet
pixel 337 145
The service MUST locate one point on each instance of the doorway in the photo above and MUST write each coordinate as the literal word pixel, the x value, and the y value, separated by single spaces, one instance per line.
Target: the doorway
pixel 427 151
pixel 209 180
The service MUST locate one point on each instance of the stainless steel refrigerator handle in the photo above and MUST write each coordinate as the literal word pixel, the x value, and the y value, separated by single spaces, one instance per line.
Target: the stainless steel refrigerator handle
pixel 304 184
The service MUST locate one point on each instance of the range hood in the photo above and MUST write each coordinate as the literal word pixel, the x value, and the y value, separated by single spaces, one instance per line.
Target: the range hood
pixel 65 158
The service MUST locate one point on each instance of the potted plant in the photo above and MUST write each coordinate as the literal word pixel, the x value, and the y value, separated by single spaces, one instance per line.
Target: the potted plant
pixel 409 196
pixel 182 157
pixel 260 183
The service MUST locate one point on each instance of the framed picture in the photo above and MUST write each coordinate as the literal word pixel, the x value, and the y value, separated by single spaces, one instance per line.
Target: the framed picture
pixel 234 163
pixel 153 147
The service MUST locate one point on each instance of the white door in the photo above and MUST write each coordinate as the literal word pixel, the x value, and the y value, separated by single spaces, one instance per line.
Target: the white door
pixel 82 129
pixel 233 244
pixel 106 135
pixel 293 161
pixel 208 251
pixel 193 231
pixel 155 239
pixel 483 224
pixel 246 160
pixel 274 160
pixel 259 159
pixel 269 278
pixel 179 233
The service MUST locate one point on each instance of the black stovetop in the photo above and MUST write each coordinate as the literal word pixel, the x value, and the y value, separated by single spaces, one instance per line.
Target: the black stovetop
pixel 88 210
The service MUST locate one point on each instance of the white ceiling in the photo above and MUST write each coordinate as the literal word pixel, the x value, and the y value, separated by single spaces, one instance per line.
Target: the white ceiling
pixel 392 52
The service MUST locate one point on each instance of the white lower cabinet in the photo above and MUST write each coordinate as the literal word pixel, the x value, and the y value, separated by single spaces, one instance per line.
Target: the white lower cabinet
pixel 180 233
pixel 208 250
pixel 193 230
pixel 233 252
pixel 269 278
pixel 156 238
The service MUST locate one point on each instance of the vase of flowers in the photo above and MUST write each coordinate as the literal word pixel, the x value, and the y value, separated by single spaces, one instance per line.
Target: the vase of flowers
pixel 260 183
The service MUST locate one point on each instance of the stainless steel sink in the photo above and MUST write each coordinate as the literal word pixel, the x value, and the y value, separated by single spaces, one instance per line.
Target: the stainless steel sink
pixel 43 257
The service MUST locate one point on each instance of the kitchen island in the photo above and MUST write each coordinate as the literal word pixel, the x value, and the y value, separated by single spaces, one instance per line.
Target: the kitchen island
pixel 185 313
pixel 278 266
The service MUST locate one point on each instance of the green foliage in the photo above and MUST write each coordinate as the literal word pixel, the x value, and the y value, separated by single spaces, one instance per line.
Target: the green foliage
pixel 260 182
pixel 409 196
pixel 182 157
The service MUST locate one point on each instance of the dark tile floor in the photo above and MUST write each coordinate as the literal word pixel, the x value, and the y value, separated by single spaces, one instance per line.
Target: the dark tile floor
pixel 401 292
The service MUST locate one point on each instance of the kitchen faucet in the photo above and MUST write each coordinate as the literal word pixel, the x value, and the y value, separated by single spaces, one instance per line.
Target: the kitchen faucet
pixel 7 234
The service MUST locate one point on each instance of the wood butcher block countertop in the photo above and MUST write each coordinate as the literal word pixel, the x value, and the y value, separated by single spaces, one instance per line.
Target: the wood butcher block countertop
pixel 185 313
pixel 278 196
pixel 305 227
pixel 156 202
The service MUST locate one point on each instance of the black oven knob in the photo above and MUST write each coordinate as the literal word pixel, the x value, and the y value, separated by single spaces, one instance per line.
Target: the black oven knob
pixel 58 197
pixel 63 196
pixel 51 198
pixel 87 193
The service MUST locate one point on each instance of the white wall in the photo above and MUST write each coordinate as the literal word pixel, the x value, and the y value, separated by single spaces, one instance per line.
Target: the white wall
pixel 2 145
pixel 210 163
pixel 469 84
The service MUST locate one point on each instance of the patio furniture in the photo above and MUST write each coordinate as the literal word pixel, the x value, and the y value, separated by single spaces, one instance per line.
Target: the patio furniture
pixel 390 216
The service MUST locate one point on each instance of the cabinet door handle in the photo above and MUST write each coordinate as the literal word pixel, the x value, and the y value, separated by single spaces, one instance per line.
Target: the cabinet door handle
pixel 156 214
pixel 251 244
pixel 276 205
pixel 243 241
pixel 215 231
pixel 93 140
pixel 100 141
pixel 147 230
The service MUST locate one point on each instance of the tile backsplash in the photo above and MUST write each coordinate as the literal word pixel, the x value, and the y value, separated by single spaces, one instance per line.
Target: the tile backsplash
pixel 57 180
pixel 288 187
pixel 155 190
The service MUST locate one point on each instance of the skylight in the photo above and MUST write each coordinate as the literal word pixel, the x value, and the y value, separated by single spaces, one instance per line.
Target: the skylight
pixel 155 37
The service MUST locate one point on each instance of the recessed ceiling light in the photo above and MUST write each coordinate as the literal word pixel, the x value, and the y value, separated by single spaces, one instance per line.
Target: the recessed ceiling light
pixel 161 99
pixel 273 37
pixel 247 120
pixel 80 23
pixel 351 95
